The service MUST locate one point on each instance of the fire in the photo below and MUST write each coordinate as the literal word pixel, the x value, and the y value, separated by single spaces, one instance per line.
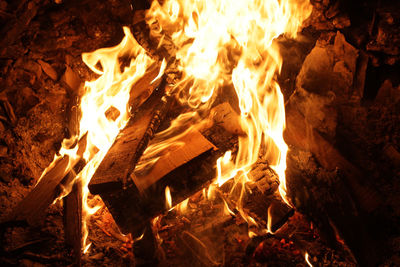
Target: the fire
pixel 109 92
pixel 225 43
pixel 307 258
pixel 218 44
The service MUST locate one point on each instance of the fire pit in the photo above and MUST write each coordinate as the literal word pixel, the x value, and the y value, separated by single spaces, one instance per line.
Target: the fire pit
pixel 213 134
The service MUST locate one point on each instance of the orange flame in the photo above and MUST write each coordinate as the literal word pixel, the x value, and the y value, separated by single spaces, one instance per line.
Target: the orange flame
pixel 225 43
pixel 168 198
pixel 307 258
pixel 111 90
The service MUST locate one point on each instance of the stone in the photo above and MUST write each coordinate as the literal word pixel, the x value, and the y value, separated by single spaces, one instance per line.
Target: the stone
pixel 33 67
pixel 318 111
pixel 341 22
pixel 26 100
pixel 316 71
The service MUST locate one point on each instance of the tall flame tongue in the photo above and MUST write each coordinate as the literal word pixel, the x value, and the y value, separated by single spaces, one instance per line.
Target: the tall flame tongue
pixel 230 43
pixel 109 92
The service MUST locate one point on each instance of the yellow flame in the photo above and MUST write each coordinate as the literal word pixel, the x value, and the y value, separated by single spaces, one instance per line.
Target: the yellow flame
pixel 269 221
pixel 307 258
pixel 182 207
pixel 86 249
pixel 231 43
pixel 168 198
pixel 110 90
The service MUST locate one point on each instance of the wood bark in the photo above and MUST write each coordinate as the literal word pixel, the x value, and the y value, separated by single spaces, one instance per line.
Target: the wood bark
pixel 73 220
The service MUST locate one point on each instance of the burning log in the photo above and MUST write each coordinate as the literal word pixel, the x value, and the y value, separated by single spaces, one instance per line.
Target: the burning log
pixel 33 207
pixel 194 144
pixel 144 196
pixel 114 170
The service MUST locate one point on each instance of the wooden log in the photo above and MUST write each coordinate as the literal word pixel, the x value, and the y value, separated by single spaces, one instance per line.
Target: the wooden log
pixel 73 219
pixel 327 200
pixel 192 145
pixel 32 208
pixel 118 164
pixel 145 248
pixel 344 207
pixel 301 135
pixel 131 209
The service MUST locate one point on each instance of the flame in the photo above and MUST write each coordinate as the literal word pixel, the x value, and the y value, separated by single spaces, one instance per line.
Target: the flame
pixel 168 198
pixel 225 43
pixel 307 258
pixel 110 91
pixel 218 44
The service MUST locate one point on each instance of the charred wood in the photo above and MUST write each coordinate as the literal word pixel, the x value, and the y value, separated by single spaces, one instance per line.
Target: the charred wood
pixel 328 201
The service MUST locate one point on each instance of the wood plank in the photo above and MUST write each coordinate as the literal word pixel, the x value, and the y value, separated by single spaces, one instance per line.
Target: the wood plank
pixel 129 145
pixel 192 144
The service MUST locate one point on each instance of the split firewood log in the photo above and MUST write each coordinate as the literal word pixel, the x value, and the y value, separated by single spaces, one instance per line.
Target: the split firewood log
pixel 32 208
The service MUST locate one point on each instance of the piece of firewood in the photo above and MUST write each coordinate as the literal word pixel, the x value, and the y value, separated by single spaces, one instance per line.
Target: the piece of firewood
pixel 190 146
pixel 131 209
pixel 299 134
pixel 144 86
pixel 73 219
pixel 32 208
pixel 129 145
